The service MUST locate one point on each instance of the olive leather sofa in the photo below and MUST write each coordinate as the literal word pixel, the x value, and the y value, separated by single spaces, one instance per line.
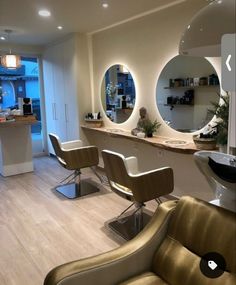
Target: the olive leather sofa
pixel 167 251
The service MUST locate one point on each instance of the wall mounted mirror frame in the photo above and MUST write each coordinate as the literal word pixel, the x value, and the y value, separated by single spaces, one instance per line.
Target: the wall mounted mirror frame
pixel 118 93
pixel 185 89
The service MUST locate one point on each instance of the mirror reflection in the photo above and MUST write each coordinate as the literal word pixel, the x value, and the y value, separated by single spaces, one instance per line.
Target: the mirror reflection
pixel 118 93
pixel 185 89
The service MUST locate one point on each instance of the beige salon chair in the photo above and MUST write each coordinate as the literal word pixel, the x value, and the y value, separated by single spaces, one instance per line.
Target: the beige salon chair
pixel 167 252
pixel 138 187
pixel 74 156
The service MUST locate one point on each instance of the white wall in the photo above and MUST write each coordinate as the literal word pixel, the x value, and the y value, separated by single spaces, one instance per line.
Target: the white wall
pixel 144 45
pixel 232 122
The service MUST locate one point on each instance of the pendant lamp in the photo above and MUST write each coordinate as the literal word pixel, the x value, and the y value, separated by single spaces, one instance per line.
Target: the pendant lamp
pixel 10 61
pixel 202 37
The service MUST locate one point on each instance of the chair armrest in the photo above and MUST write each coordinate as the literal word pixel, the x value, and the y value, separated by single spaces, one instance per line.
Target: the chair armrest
pixel 113 267
pixel 72 144
pixel 82 157
pixel 152 184
pixel 131 164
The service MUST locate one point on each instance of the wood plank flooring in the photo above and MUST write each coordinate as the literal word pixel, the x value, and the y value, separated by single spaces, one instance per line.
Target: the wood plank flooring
pixel 39 229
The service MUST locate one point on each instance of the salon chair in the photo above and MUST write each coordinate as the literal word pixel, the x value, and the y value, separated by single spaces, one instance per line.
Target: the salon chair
pixel 72 155
pixel 168 251
pixel 139 187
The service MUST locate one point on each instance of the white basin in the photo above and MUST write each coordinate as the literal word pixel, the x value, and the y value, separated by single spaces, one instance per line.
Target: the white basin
pixel 175 142
pixel 225 191
pixel 115 130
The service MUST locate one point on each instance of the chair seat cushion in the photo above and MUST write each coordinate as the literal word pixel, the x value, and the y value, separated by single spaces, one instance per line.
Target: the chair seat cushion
pixel 147 278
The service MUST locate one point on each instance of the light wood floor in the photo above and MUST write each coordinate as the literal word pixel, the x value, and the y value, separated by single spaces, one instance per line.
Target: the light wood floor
pixel 40 230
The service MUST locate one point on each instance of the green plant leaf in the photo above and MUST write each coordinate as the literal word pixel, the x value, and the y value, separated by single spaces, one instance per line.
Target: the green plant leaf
pixel 221 111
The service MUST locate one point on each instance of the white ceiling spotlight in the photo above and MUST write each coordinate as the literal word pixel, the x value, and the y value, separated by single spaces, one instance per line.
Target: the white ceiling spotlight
pixel 2 38
pixel 60 27
pixel 44 13
pixel 105 5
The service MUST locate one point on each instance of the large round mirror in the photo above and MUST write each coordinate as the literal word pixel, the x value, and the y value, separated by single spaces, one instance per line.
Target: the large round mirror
pixel 118 93
pixel 185 89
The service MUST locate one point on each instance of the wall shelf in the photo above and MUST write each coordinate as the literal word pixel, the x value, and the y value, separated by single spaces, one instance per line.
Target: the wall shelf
pixel 173 105
pixel 192 87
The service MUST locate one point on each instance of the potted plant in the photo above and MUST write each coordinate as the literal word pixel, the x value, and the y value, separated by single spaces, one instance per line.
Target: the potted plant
pixel 221 111
pixel 150 127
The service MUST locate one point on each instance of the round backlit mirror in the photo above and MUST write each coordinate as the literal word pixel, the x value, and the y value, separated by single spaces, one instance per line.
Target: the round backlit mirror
pixel 185 89
pixel 118 93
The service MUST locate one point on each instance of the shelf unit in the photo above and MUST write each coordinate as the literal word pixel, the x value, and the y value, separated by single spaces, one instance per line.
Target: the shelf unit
pixel 191 87
pixel 173 105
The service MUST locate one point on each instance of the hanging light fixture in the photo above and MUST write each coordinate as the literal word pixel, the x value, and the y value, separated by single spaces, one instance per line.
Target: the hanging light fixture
pixel 202 37
pixel 10 61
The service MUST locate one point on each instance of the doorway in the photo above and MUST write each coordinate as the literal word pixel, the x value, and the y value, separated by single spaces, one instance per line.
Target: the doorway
pixel 24 82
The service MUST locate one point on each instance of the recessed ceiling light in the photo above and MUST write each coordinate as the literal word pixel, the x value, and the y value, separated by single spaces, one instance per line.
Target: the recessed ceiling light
pixel 3 38
pixel 60 27
pixel 105 5
pixel 44 13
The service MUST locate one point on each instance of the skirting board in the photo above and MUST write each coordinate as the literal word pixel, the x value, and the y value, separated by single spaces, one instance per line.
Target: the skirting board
pixel 14 169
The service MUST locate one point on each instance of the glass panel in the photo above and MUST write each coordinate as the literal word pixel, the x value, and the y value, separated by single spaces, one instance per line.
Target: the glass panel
pixel 118 93
pixel 185 89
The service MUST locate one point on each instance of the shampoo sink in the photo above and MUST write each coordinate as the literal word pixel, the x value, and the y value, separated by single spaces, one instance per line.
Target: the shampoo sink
pixel 220 172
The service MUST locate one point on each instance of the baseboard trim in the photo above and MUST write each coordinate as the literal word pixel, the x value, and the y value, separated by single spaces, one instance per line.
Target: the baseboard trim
pixel 19 168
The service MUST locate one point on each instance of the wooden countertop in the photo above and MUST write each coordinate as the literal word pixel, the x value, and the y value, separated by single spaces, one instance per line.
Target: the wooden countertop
pixel 8 124
pixel 157 141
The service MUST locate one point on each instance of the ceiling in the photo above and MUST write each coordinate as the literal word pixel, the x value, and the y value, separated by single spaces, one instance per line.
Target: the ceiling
pixel 83 16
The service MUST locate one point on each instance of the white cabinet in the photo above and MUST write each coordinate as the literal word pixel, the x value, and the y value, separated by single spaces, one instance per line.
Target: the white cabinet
pixel 59 70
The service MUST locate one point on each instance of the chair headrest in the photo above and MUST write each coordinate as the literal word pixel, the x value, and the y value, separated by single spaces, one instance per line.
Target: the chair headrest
pixel 202 227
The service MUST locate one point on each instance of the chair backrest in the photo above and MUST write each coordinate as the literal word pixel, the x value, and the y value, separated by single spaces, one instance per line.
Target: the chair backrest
pixel 76 157
pixel 195 229
pixel 115 168
pixel 143 187
pixel 56 144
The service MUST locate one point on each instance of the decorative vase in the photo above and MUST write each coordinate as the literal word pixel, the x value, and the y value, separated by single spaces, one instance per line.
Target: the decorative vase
pixel 206 144
pixel 149 135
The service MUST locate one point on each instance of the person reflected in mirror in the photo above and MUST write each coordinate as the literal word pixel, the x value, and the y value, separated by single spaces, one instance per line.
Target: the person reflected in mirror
pixel 141 122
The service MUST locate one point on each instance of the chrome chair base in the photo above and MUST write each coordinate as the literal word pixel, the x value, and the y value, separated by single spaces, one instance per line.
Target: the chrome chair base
pixel 129 226
pixel 75 190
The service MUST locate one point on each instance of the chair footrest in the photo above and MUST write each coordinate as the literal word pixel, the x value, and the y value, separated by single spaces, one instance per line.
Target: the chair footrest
pixel 129 226
pixel 75 190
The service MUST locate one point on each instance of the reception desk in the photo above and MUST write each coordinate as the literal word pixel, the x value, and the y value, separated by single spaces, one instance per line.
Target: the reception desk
pixel 16 147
